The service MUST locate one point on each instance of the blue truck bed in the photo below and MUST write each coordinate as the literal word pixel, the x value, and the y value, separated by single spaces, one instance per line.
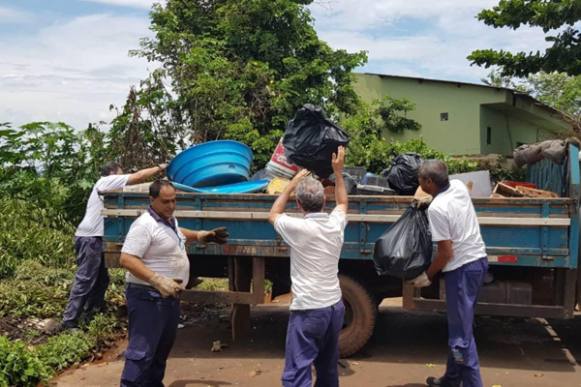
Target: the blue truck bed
pixel 521 235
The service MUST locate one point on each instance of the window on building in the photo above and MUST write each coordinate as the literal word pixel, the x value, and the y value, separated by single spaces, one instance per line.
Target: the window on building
pixel 444 116
pixel 488 135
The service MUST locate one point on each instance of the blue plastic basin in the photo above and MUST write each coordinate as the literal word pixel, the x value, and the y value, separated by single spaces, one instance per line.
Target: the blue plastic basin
pixel 211 163
pixel 236 188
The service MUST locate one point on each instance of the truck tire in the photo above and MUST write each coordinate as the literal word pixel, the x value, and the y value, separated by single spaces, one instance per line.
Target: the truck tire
pixel 360 316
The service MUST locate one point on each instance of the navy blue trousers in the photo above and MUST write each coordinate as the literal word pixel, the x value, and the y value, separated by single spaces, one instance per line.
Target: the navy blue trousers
pixel 313 338
pixel 153 324
pixel 91 281
pixel 462 287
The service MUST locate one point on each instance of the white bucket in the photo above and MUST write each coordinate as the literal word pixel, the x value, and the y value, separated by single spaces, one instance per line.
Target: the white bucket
pixel 279 165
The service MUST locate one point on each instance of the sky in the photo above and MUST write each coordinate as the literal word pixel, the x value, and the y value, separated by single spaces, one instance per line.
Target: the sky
pixel 67 60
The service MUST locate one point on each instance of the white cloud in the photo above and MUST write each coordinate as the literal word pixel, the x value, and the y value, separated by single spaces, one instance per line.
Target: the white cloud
pixel 423 37
pixel 145 4
pixel 9 15
pixel 71 71
pixel 360 15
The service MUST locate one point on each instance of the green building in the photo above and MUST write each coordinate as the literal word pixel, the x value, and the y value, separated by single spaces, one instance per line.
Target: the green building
pixel 466 119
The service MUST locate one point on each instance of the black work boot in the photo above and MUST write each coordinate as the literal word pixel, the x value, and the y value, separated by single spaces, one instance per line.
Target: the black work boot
pixel 441 382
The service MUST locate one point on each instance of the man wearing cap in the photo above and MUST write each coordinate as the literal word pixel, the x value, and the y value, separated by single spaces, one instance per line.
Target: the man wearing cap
pixel 91 279
pixel 154 254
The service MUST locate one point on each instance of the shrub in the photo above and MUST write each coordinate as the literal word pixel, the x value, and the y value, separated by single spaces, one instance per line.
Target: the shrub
pixel 30 232
pixel 20 366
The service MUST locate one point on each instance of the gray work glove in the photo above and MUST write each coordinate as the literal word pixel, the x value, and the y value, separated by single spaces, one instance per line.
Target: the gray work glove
pixel 421 199
pixel 420 281
pixel 218 235
pixel 166 286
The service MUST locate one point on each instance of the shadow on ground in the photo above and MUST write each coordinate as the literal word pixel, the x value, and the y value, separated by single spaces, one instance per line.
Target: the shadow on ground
pixel 403 337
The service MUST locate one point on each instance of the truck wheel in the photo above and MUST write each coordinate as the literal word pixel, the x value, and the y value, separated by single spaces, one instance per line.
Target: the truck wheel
pixel 360 315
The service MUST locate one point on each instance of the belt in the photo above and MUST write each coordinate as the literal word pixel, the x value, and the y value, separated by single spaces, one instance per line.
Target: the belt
pixel 140 286
pixel 131 285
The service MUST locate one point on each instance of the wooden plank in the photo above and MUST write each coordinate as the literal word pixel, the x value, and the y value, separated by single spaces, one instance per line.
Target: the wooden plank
pixel 536 193
pixel 506 190
pixel 371 199
pixel 240 315
pixel 370 218
pixel 258 279
pixel 112 253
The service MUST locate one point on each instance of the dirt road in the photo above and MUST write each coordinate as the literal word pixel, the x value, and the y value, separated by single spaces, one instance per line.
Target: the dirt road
pixel 405 349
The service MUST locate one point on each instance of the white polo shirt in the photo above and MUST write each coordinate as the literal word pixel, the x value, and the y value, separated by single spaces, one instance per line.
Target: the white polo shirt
pixel 161 248
pixel 92 224
pixel 452 217
pixel 315 242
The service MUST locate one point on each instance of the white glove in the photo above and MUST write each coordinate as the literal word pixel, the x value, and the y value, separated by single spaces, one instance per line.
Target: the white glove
pixel 166 287
pixel 420 281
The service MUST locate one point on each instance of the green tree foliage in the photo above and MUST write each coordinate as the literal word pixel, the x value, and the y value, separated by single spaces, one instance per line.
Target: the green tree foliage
pixel 393 113
pixel 30 232
pixel 558 17
pixel 150 128
pixel 237 70
pixel 50 164
pixel 558 90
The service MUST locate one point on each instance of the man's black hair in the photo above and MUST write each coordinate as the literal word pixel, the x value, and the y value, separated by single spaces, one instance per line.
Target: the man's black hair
pixel 156 186
pixel 110 168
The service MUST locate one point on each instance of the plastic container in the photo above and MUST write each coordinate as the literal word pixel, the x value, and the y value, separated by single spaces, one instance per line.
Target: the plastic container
pixel 373 179
pixel 279 166
pixel 356 172
pixel 364 189
pixel 212 163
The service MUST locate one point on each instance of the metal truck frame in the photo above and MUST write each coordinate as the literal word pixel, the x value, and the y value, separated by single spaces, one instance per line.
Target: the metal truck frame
pixel 531 242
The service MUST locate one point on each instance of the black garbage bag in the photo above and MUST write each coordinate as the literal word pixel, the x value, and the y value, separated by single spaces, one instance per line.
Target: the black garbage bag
pixel 310 139
pixel 405 249
pixel 402 176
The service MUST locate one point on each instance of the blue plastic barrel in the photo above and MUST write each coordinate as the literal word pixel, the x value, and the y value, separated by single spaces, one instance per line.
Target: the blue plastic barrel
pixel 212 163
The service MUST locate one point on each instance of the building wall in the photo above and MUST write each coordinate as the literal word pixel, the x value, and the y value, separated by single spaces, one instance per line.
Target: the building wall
pixel 471 110
pixel 460 134
pixel 500 136
pixel 510 128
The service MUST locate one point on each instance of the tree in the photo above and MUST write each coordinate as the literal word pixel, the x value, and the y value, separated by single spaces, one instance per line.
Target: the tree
pixel 150 128
pixel 559 16
pixel 393 113
pixel 240 69
pixel 368 146
pixel 559 90
pixel 51 165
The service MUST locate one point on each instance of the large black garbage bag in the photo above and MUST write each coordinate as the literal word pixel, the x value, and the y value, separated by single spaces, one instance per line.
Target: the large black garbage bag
pixel 405 249
pixel 403 174
pixel 310 139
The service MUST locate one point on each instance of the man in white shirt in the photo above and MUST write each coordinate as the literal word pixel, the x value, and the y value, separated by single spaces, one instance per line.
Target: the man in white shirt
pixel 461 256
pixel 317 308
pixel 154 254
pixel 91 279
